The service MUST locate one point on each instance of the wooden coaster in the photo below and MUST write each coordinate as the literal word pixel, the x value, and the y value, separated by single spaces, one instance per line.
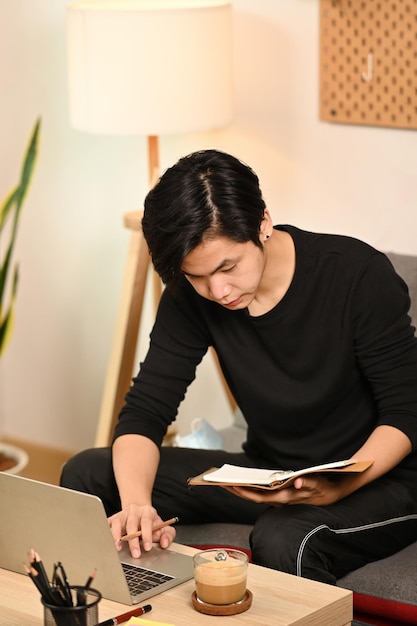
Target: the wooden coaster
pixel 222 609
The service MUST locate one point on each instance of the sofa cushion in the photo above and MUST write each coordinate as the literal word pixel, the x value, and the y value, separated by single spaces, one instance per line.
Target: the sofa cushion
pixel 236 535
pixel 406 266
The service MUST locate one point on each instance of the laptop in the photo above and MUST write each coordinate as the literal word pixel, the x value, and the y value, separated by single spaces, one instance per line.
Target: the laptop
pixel 71 527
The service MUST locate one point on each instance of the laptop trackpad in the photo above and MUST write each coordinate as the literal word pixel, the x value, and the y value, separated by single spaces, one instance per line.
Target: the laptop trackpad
pixel 170 562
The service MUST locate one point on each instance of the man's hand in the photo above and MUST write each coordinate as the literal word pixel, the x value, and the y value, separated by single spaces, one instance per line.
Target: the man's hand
pixel 386 446
pixel 314 489
pixel 143 518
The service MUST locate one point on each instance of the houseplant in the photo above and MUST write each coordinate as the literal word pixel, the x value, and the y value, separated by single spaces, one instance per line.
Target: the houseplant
pixel 10 211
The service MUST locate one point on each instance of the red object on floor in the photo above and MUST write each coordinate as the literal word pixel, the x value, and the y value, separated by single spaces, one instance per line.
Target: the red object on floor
pixel 380 612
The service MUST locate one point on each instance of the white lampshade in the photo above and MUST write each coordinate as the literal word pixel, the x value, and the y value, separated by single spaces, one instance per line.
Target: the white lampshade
pixel 149 66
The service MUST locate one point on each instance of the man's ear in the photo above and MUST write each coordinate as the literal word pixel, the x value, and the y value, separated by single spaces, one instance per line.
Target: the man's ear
pixel 266 228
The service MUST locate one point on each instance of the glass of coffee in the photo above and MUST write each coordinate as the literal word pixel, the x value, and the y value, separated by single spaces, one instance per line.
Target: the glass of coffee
pixel 220 576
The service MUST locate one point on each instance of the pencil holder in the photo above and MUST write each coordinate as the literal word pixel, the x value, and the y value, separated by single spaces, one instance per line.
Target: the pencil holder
pixel 84 611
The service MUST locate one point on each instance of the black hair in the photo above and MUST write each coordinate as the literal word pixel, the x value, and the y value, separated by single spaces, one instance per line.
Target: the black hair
pixel 205 195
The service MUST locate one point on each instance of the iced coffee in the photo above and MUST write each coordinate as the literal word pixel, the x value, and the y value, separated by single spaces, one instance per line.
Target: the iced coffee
pixel 220 576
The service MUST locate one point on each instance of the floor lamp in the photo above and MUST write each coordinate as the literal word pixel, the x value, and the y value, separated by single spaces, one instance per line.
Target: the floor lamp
pixel 145 67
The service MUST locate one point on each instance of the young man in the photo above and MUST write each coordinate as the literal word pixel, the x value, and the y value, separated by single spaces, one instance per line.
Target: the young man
pixel 314 338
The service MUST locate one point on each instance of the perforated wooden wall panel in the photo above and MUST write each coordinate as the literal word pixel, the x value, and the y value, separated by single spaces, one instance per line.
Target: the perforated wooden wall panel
pixel 368 62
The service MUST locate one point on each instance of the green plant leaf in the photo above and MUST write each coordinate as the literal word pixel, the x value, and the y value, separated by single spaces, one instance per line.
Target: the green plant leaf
pixel 10 209
pixel 7 205
pixel 25 177
pixel 4 270
pixel 7 321
pixel 28 163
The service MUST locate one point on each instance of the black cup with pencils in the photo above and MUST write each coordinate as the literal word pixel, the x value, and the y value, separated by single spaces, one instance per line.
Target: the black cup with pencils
pixel 74 614
pixel 64 604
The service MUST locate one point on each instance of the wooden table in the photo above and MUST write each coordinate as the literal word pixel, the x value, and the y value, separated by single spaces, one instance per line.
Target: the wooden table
pixel 278 600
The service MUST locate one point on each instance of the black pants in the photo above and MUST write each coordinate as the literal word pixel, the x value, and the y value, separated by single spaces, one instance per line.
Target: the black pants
pixel 318 542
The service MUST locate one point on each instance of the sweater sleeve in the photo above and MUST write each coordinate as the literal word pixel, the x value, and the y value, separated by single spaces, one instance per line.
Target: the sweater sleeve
pixel 385 344
pixel 178 342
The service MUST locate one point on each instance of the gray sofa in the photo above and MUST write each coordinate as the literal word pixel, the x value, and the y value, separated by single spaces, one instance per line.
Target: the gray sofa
pixel 385 592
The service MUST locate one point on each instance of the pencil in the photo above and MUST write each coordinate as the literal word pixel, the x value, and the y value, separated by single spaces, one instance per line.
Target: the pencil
pixel 33 574
pixel 168 522
pixel 47 592
pixel 90 579
pixel 37 564
pixel 83 591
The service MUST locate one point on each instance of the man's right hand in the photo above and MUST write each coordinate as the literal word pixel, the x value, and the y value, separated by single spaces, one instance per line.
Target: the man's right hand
pixel 144 518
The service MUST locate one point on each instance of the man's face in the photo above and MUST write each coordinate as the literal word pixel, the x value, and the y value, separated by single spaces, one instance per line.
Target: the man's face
pixel 225 271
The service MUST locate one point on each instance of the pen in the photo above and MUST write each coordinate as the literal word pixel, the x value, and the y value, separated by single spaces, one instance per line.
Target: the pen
pixel 126 616
pixel 169 522
pixel 65 586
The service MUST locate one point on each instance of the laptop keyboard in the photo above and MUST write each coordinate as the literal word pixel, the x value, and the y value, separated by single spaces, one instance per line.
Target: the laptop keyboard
pixel 140 579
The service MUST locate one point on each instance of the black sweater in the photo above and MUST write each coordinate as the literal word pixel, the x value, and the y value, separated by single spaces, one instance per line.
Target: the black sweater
pixel 313 377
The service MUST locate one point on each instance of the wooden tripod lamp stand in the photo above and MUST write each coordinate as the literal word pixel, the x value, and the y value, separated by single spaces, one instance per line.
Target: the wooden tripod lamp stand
pixel 137 67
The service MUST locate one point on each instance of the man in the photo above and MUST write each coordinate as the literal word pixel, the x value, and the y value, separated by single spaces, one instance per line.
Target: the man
pixel 314 338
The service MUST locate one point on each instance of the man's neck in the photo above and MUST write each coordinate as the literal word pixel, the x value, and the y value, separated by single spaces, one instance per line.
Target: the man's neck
pixel 278 272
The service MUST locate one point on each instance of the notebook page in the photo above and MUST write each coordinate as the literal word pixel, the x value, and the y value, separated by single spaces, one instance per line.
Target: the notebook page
pixel 235 474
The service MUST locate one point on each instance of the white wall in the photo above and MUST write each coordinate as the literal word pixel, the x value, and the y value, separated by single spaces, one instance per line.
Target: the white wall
pixel 71 248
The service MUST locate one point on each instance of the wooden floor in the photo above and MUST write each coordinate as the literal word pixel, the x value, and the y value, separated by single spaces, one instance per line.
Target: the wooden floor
pixel 45 462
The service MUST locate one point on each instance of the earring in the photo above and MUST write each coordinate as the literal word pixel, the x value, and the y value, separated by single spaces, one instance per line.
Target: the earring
pixel 266 237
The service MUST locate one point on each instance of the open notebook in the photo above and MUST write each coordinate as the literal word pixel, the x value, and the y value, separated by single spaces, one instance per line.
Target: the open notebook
pixel 68 526
pixel 272 479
